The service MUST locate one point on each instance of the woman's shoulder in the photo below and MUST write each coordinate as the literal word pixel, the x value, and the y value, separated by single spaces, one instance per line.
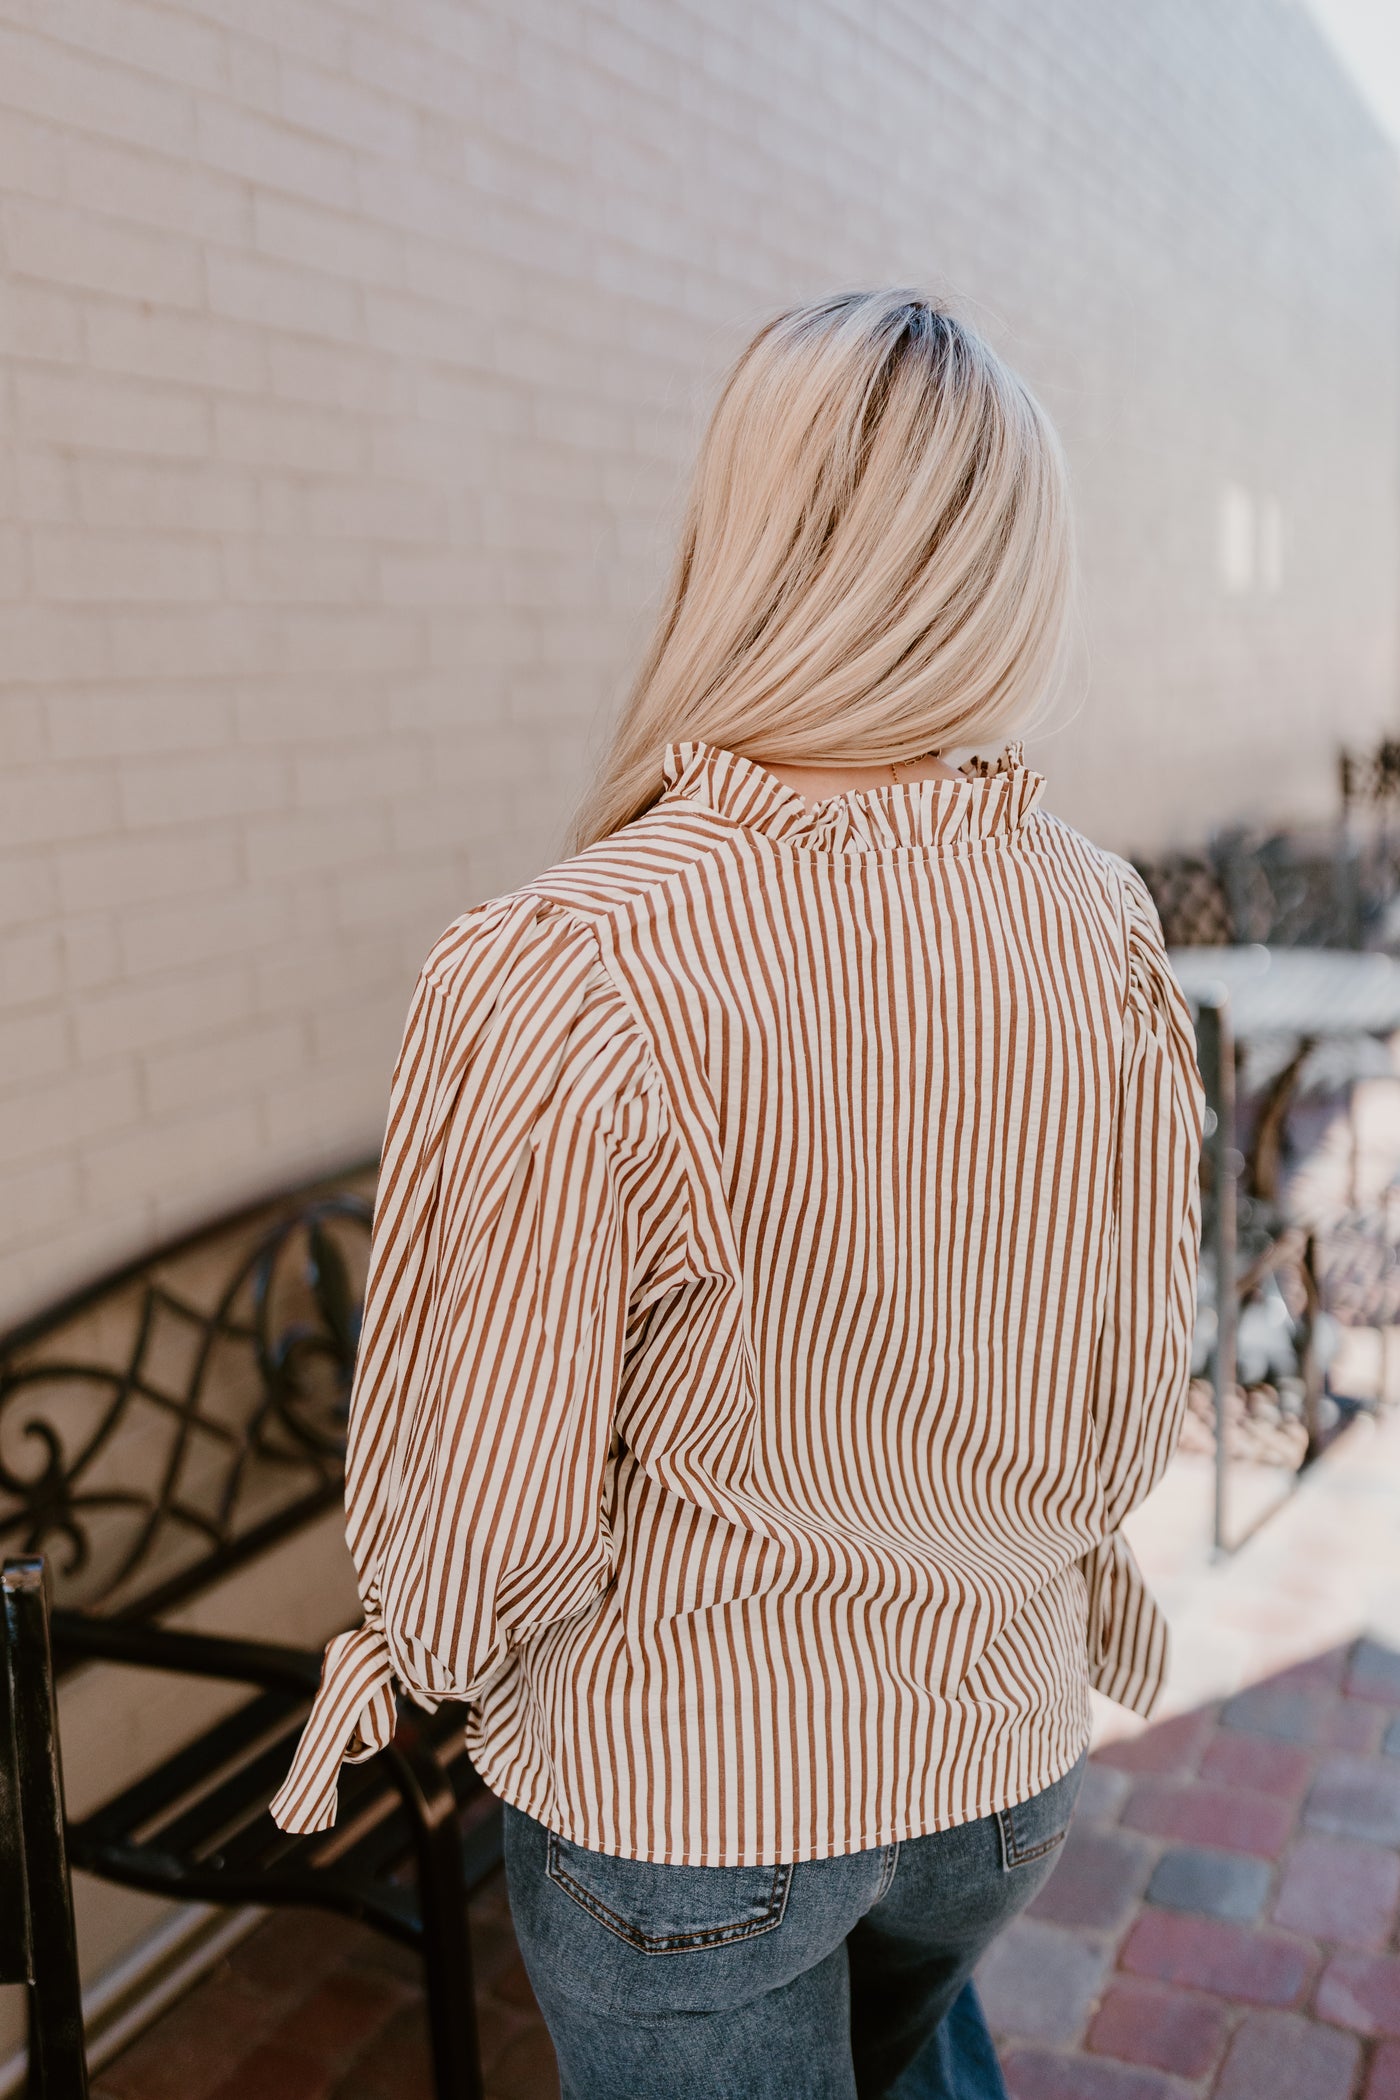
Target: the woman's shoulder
pixel 507 943
pixel 1119 903
pixel 615 873
pixel 1113 873
pixel 561 911
pixel 518 987
pixel 567 906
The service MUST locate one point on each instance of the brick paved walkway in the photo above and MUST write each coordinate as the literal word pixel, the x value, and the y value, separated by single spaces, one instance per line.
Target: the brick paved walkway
pixel 314 2008
pixel 1223 1918
pixel 1223 1921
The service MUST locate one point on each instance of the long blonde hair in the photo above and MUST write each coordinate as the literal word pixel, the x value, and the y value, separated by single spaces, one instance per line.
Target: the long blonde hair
pixel 875 560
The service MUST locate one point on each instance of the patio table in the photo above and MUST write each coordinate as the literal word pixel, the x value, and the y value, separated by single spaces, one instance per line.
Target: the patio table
pixel 1310 992
pixel 1282 1003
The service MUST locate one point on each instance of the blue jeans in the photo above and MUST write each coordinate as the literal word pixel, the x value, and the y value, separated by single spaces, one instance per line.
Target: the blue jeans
pixel 835 1979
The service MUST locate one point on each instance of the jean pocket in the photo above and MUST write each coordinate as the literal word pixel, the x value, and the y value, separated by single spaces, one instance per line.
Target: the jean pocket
pixel 669 1910
pixel 1032 1829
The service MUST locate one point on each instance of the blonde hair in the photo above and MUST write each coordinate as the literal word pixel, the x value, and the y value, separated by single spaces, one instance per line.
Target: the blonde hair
pixel 875 560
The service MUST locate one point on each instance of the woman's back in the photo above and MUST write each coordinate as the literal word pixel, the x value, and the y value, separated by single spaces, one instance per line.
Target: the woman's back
pixel 831 1172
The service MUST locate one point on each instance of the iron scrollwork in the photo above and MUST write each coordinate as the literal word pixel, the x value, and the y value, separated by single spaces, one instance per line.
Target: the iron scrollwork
pixel 156 1428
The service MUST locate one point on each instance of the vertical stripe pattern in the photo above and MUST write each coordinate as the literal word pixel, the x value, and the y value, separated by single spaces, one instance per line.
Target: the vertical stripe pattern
pixel 781 1289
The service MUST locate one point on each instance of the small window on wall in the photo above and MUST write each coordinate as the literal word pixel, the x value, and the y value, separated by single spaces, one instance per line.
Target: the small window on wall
pixel 1271 546
pixel 1249 540
pixel 1236 537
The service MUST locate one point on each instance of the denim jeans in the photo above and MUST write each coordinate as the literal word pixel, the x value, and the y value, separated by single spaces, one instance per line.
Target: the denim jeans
pixel 834 1979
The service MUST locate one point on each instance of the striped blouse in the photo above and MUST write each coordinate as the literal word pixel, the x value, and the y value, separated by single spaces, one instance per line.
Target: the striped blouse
pixel 781 1289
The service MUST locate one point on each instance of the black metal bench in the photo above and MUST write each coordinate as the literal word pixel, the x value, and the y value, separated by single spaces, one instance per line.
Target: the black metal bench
pixel 38 1945
pixel 159 1430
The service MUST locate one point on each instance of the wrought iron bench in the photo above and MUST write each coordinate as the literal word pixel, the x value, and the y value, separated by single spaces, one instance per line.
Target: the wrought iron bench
pixel 38 1945
pixel 158 1431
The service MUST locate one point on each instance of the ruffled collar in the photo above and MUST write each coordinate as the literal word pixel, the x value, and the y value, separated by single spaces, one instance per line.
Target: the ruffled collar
pixel 995 798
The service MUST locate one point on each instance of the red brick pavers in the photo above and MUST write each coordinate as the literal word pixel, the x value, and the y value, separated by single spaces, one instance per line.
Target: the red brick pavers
pixel 310 2007
pixel 1336 1889
pixel 1384 2082
pixel 1162 2029
pixel 1224 1922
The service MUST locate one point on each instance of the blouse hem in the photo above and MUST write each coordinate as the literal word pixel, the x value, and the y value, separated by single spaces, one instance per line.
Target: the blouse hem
pixel 507 1787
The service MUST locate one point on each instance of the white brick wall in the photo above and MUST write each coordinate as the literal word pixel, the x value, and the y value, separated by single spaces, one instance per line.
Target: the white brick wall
pixel 349 362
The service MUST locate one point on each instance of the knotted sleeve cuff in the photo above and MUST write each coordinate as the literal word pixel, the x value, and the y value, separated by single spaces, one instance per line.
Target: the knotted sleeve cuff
pixel 1127 1628
pixel 352 1716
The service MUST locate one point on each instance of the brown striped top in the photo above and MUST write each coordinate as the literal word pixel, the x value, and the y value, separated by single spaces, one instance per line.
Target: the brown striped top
pixel 781 1289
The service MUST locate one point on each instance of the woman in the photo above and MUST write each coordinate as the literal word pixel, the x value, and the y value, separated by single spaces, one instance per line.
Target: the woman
pixel 783 1273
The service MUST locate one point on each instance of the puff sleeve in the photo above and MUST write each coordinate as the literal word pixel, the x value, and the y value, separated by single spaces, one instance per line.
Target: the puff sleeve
pixel 527 1189
pixel 1144 1357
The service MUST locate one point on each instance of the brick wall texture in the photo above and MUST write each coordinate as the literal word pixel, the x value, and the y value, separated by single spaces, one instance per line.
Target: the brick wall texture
pixel 351 354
